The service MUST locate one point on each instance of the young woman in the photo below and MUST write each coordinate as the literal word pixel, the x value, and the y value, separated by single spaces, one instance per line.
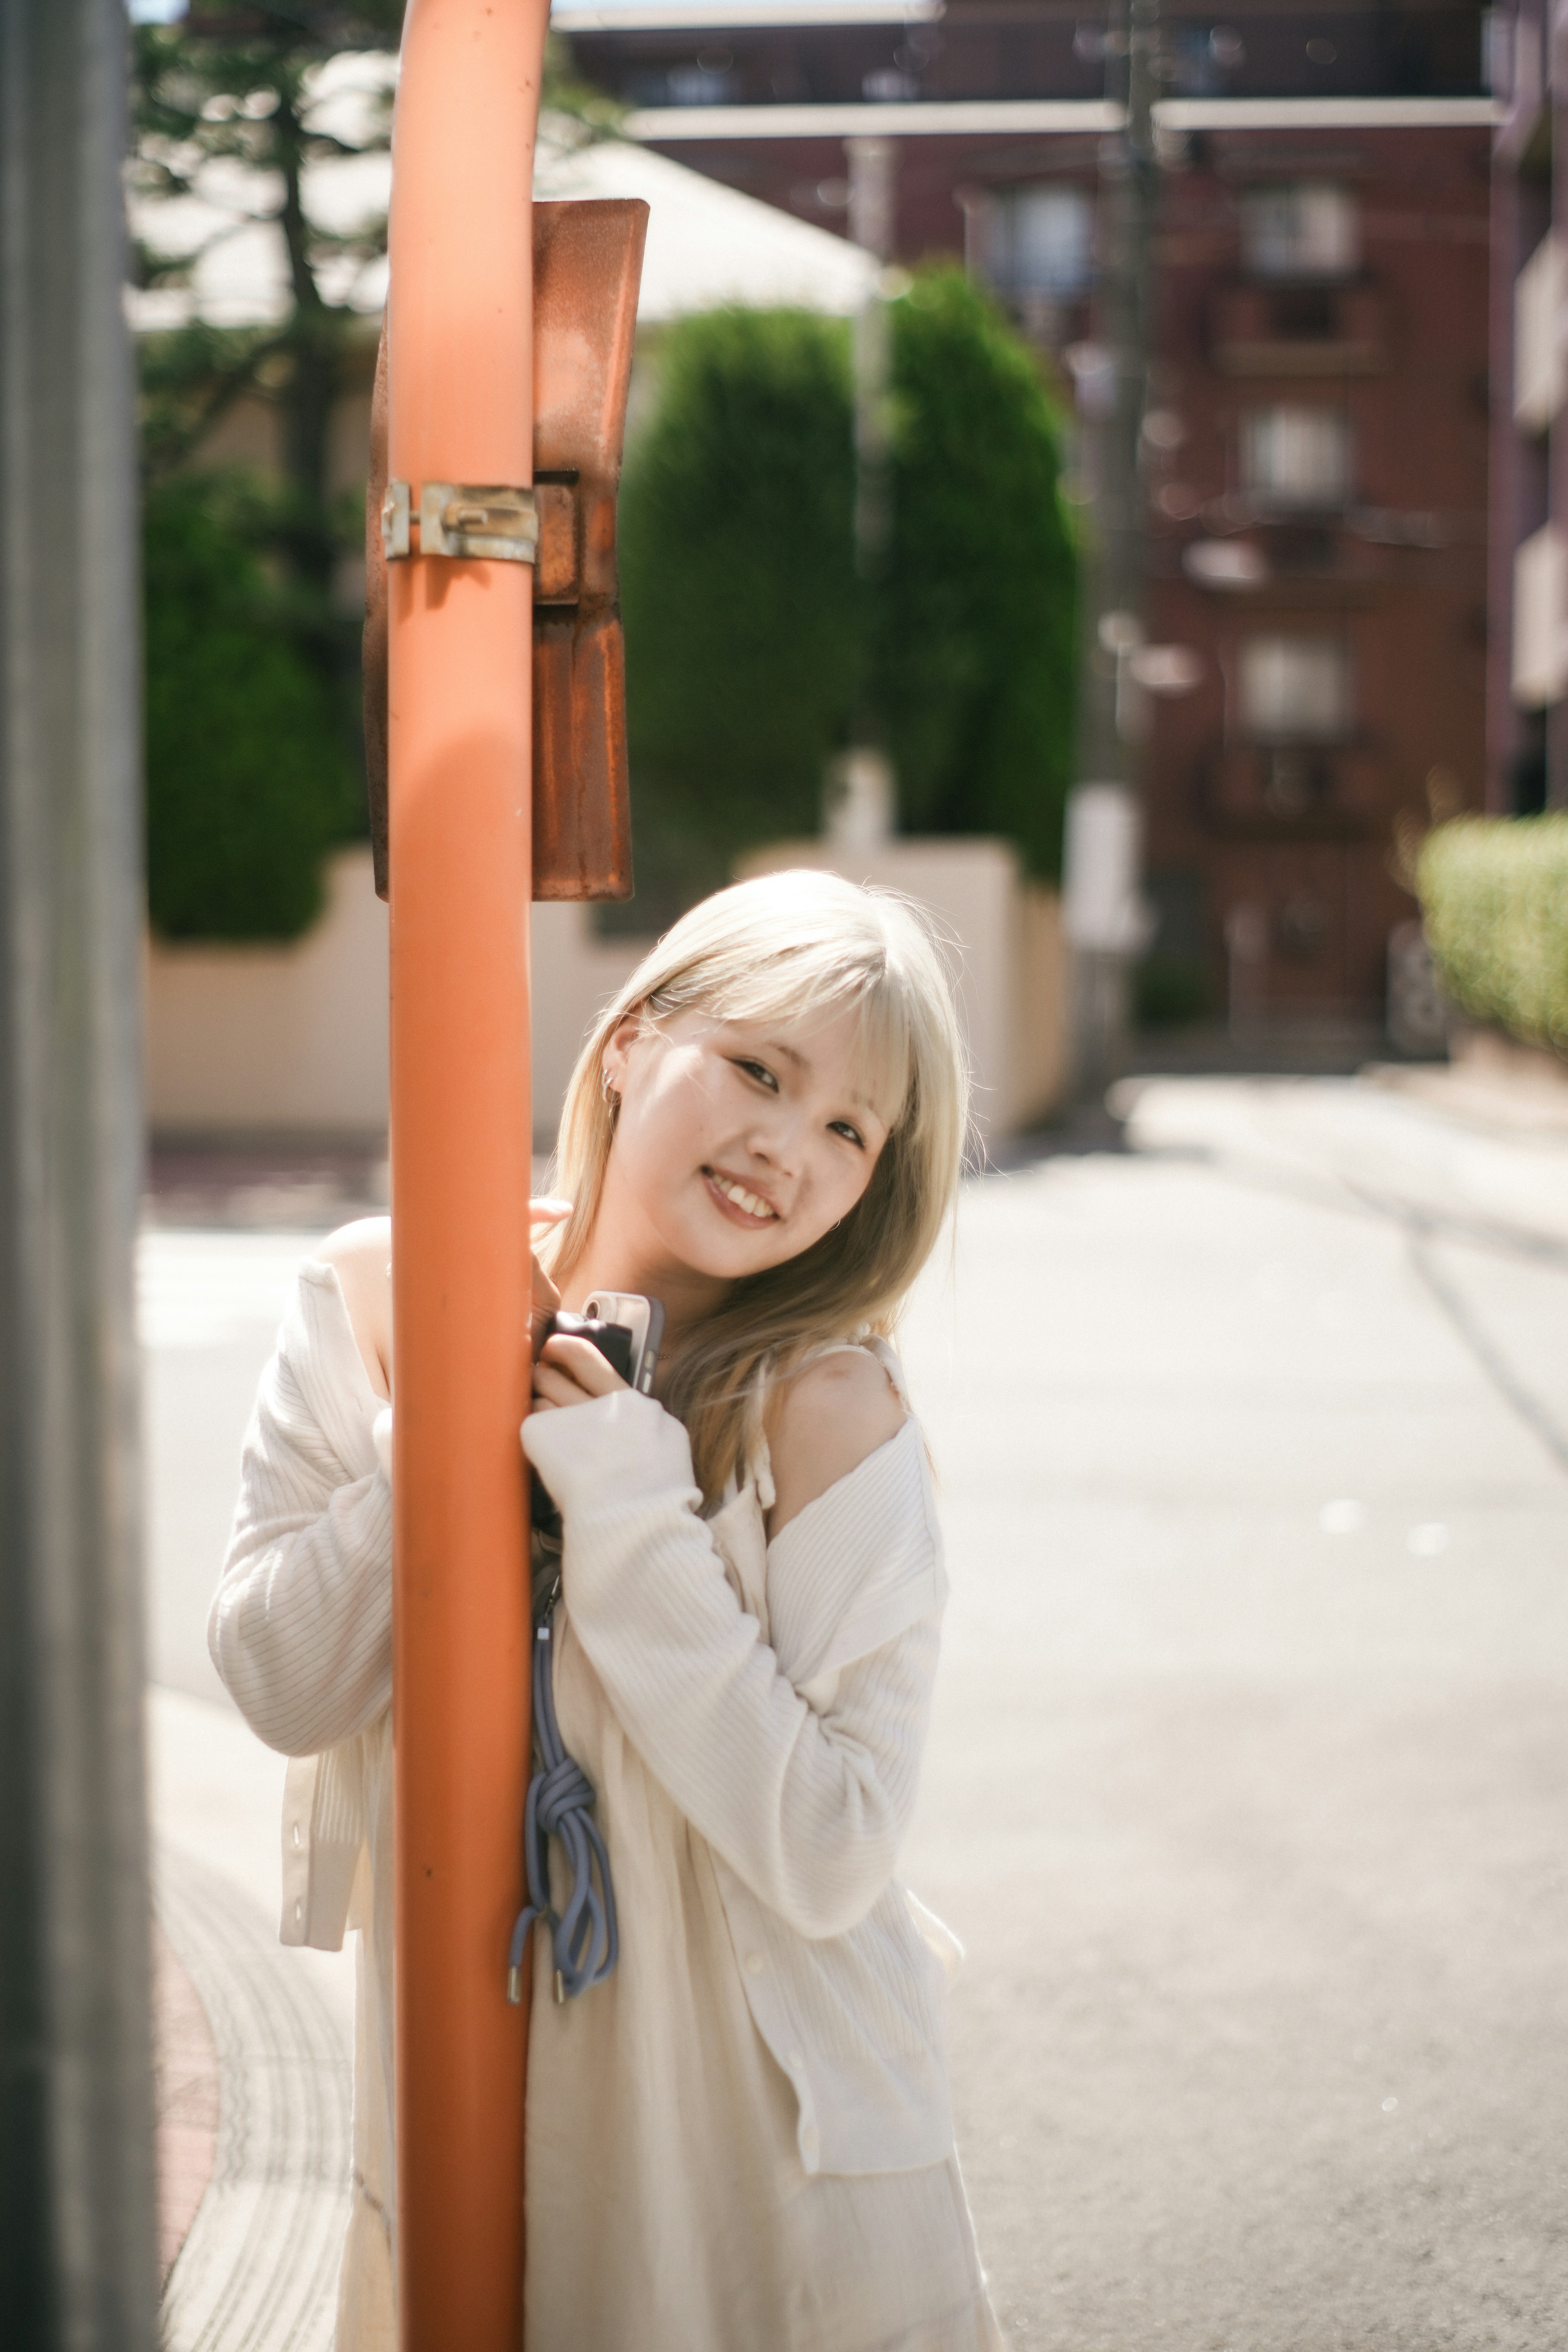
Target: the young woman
pixel 739 2140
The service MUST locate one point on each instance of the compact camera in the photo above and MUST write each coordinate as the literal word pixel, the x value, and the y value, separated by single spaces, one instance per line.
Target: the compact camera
pixel 625 1329
pixel 628 1331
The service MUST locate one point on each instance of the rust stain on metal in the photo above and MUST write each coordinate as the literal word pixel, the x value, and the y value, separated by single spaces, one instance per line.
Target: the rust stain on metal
pixel 587 264
pixel 555 575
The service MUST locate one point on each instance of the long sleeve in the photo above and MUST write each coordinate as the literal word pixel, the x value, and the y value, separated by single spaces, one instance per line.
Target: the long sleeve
pixel 807 1803
pixel 300 1625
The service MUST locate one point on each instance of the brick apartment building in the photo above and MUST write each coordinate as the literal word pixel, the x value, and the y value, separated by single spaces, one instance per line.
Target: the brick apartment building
pixel 1321 469
pixel 1318 445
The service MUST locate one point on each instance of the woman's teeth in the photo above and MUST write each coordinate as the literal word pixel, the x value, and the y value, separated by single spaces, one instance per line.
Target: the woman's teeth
pixel 741 1198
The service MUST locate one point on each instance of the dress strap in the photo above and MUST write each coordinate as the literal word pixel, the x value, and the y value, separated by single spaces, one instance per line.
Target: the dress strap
pixel 871 1344
pixel 758 1459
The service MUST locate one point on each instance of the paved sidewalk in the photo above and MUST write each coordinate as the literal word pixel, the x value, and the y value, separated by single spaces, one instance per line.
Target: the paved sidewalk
pixel 254 2053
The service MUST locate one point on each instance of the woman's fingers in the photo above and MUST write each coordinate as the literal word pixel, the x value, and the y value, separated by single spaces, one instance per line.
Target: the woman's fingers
pixel 556 1387
pixel 548 1213
pixel 572 1371
pixel 579 1362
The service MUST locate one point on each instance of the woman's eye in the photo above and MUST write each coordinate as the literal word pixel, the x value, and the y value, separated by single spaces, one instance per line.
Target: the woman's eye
pixel 852 1134
pixel 760 1071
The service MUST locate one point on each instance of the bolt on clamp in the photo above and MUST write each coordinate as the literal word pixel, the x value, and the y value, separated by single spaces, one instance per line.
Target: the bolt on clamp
pixel 487 519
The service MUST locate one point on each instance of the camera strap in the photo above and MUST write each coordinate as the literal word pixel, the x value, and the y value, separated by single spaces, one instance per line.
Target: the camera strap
pixel 585 1933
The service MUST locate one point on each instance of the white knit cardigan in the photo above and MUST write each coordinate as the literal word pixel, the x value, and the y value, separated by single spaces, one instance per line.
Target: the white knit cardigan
pixel 779 1691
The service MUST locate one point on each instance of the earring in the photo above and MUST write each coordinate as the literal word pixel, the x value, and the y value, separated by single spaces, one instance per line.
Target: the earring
pixel 612 1099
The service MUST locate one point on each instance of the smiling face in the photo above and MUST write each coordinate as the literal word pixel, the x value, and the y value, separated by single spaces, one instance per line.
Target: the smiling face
pixel 737 1145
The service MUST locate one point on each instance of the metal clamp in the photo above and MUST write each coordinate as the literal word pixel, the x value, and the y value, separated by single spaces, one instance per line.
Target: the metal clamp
pixel 477 518
pixel 462 519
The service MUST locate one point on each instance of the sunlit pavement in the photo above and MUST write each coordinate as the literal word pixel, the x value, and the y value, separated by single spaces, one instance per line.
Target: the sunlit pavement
pixel 256 2266
pixel 1246 1780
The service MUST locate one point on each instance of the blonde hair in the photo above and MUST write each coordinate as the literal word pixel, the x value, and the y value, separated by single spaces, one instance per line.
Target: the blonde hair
pixel 794 946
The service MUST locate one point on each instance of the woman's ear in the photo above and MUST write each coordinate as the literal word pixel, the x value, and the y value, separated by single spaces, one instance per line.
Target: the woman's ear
pixel 622 1038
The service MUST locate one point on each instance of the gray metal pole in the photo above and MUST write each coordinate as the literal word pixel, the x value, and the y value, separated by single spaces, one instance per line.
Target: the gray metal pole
pixel 1129 195
pixel 873 167
pixel 1104 822
pixel 77 2260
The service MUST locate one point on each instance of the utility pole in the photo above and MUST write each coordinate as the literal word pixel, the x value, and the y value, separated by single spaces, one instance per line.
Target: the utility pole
pixel 460 400
pixel 862 791
pixel 77 2255
pixel 1106 919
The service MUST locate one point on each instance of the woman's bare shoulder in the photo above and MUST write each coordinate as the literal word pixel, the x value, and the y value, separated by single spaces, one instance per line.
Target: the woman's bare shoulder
pixel 367 1239
pixel 361 1256
pixel 823 1422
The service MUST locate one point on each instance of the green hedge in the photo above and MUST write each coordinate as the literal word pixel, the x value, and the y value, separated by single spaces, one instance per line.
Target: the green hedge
pixel 737 590
pixel 249 779
pixel 974 630
pixel 749 636
pixel 1494 899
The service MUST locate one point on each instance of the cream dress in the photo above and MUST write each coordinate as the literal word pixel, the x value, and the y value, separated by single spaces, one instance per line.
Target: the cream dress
pixel 668 2209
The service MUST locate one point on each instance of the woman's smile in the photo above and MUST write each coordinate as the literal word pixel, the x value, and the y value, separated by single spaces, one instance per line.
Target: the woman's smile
pixel 738 1202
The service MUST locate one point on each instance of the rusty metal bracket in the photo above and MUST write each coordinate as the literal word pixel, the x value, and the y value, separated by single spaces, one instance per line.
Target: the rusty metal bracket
pixel 587 263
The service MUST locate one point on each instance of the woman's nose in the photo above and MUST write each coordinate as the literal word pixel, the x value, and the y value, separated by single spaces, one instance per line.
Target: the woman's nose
pixel 775 1140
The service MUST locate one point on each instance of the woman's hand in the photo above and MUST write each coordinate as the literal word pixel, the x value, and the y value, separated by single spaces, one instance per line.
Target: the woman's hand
pixel 571 1371
pixel 565 1372
pixel 546 1297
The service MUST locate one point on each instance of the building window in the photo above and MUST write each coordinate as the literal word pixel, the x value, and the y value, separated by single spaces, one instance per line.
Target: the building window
pixel 1295 689
pixel 1539 604
pixel 1033 240
pixel 698 85
pixel 1537 359
pixel 1296 459
pixel 1300 229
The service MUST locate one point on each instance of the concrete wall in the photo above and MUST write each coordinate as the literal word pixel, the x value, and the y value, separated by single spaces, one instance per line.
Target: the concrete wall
pixel 292 1040
pixel 275 1040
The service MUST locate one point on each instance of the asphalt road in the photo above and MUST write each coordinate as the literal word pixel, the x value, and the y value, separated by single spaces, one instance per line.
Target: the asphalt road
pixel 1245 1788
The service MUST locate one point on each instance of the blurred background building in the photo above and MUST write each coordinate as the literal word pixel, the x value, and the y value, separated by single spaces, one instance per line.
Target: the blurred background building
pixel 1354 620
pixel 1316 451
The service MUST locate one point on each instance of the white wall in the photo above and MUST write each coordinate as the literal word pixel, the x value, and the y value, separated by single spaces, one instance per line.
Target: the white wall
pixel 292 1040
pixel 275 1040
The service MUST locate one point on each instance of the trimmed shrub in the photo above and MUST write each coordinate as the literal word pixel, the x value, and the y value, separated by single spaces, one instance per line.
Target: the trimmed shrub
pixel 975 628
pixel 737 590
pixel 1170 991
pixel 749 636
pixel 1494 902
pixel 250 781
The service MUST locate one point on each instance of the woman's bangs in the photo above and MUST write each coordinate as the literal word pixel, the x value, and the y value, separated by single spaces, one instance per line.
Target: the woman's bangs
pixel 799 990
pixel 886 1049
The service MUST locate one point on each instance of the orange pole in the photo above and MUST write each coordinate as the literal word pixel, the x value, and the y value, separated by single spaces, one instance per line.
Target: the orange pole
pixel 461 410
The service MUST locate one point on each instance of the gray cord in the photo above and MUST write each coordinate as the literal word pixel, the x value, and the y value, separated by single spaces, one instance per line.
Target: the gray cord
pixel 587 1934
